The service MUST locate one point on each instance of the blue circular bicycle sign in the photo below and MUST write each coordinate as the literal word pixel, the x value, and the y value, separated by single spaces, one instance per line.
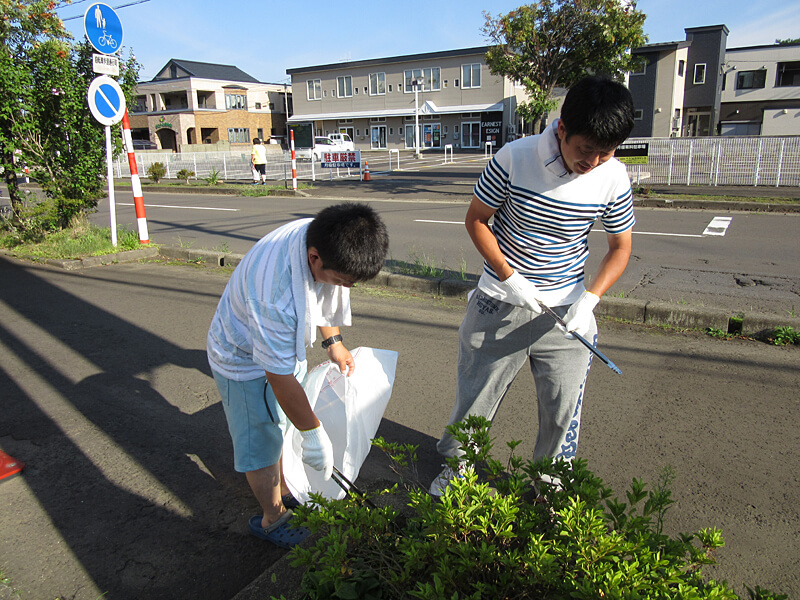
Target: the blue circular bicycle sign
pixel 103 28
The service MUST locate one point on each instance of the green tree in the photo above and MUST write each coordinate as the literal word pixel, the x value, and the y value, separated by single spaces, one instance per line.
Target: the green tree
pixel 45 121
pixel 788 41
pixel 554 43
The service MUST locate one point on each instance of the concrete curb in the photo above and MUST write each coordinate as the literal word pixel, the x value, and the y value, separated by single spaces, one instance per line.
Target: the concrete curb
pixel 632 310
pixel 96 261
pixel 641 201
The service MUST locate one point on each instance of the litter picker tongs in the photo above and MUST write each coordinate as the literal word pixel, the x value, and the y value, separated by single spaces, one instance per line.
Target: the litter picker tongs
pixel 547 310
pixel 350 487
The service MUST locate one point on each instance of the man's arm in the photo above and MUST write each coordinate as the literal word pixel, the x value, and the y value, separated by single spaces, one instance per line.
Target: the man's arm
pixel 337 352
pixel 613 263
pixel 316 447
pixel 293 400
pixel 477 224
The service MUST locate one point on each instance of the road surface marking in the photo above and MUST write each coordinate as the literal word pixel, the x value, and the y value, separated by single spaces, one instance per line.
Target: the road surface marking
pixel 186 207
pixel 597 230
pixel 718 226
pixel 445 222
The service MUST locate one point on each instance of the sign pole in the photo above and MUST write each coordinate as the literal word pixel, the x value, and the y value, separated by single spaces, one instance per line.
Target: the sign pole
pixel 110 176
pixel 294 162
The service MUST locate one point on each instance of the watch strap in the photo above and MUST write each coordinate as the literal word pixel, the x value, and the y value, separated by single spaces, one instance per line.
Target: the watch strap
pixel 331 341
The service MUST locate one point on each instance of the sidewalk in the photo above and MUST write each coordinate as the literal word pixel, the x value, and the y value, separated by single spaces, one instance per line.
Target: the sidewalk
pixel 129 491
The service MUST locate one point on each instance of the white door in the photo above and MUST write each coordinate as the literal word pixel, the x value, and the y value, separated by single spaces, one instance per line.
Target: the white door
pixel 378 137
pixel 471 135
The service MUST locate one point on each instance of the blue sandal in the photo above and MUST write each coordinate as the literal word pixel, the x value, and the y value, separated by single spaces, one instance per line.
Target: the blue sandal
pixel 281 533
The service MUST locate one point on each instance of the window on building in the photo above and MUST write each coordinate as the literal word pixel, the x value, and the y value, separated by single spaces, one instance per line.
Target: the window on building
pixel 314 89
pixel 344 86
pixel 640 68
pixel 238 135
pixel 390 87
pixel 258 105
pixel 681 67
pixel 455 83
pixel 377 84
pixel 471 75
pixel 751 80
pixel 431 79
pixel 235 101
pixel 141 104
pixel 700 73
pixel 638 114
pixel 788 74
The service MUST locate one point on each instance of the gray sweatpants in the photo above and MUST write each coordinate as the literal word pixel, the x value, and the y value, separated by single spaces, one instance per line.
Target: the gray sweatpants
pixel 495 339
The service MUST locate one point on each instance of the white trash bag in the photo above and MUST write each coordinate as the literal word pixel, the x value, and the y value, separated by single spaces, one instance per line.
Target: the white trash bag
pixel 351 409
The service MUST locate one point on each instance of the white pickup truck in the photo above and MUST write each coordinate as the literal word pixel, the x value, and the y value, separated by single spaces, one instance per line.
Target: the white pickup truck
pixel 343 141
pixel 332 144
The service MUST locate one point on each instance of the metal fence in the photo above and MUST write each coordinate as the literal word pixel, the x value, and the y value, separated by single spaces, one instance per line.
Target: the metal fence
pixel 752 161
pixel 227 165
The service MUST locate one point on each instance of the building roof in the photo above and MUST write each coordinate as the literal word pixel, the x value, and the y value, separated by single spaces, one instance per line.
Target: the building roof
pixel 391 59
pixel 204 70
pixel 764 47
pixel 661 46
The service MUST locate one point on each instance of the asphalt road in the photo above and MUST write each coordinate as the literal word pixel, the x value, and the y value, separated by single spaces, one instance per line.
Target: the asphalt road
pixel 750 264
pixel 129 490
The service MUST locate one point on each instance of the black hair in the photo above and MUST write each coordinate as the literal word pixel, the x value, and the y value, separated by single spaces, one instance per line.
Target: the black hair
pixel 350 238
pixel 600 109
pixel 256 141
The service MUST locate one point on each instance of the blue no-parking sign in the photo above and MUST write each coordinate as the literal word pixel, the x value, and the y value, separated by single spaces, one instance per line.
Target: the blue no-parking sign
pixel 103 28
pixel 106 100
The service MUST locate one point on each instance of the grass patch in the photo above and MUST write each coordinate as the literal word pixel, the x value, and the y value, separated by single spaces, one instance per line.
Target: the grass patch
pixel 677 196
pixel 80 240
pixel 786 336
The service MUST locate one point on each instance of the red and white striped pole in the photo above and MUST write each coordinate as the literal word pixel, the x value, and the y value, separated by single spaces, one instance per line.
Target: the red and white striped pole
pixel 136 184
pixel 294 161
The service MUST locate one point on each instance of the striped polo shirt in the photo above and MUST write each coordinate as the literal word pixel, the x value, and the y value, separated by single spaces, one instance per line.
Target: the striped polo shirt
pixel 544 214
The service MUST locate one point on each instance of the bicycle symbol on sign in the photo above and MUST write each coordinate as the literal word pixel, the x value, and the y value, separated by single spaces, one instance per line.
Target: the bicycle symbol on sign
pixel 107 39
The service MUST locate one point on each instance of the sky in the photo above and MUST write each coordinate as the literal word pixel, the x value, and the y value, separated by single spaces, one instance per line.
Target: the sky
pixel 265 38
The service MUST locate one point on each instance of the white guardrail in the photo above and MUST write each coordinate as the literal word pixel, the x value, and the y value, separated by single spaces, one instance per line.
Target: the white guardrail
pixel 714 161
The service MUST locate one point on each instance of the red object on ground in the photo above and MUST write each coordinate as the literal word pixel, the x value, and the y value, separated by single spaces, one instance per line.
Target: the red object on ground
pixel 9 465
pixel 367 176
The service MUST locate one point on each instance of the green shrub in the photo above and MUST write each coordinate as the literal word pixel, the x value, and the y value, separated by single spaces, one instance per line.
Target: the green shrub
pixel 213 177
pixel 574 540
pixel 184 174
pixel 156 171
pixel 786 336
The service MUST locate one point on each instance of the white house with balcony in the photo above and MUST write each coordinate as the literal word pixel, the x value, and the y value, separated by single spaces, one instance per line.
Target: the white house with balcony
pixel 761 91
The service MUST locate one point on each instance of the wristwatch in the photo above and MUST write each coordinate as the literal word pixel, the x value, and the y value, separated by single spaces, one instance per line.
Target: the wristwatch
pixel 331 341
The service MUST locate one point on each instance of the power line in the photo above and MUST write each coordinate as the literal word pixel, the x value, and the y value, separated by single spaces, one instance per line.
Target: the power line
pixel 115 8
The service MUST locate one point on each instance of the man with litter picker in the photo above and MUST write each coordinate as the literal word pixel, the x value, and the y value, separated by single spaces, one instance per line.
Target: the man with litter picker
pixel 293 281
pixel 545 193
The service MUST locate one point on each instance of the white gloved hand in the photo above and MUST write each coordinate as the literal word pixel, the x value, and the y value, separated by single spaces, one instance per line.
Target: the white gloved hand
pixel 317 450
pixel 522 292
pixel 580 314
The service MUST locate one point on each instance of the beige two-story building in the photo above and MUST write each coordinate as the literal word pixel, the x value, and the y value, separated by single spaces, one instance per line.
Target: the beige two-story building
pixel 446 98
pixel 189 105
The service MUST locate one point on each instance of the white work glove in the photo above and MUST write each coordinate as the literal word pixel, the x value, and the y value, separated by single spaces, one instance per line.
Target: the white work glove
pixel 580 314
pixel 317 450
pixel 522 292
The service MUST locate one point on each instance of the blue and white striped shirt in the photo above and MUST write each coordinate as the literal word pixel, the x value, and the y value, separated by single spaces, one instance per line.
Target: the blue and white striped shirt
pixel 544 213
